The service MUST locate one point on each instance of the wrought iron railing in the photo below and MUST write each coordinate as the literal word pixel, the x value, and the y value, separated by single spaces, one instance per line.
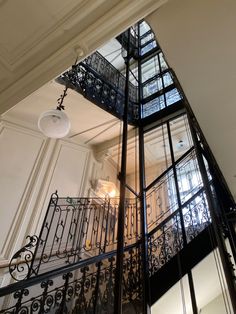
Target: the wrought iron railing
pixel 123 40
pixel 166 240
pixel 86 285
pixel 109 73
pixel 82 287
pixel 100 82
pixel 70 266
pixel 74 229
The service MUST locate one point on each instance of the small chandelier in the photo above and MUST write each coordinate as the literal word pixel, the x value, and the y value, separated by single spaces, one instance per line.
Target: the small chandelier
pixel 55 123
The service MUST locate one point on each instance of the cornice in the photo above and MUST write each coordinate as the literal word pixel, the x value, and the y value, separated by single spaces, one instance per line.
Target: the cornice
pixel 123 14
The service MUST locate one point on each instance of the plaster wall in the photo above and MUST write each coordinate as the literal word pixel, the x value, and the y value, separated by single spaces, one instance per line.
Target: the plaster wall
pixel 216 306
pixel 32 168
pixel 198 40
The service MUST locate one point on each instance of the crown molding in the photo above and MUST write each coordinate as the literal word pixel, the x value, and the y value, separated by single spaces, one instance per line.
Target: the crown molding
pixel 102 26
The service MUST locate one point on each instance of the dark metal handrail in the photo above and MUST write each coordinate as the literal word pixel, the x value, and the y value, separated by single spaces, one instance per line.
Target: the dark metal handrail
pixel 64 283
pixel 75 228
pixel 61 270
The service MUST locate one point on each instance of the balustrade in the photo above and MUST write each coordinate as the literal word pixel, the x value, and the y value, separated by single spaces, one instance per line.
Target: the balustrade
pixel 78 236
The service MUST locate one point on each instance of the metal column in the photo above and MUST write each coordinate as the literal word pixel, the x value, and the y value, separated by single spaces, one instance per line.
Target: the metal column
pixel 142 198
pixel 121 215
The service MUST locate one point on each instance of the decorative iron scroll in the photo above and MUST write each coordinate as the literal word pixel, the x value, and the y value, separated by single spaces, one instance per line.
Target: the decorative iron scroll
pixel 73 230
pixel 77 228
pixel 166 242
pixel 89 289
pixel 196 216
pixel 21 261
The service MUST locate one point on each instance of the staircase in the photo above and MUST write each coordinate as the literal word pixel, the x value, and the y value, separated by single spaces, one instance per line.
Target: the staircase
pixel 70 266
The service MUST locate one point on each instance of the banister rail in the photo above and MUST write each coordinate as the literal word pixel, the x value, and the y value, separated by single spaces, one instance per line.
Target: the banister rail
pixel 72 286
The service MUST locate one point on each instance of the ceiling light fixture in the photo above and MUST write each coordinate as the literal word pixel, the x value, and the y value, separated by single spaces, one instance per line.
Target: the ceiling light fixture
pixel 55 123
pixel 180 144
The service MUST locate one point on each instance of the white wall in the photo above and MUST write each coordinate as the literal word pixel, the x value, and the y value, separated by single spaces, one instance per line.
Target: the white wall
pixel 103 169
pixel 216 306
pixel 198 40
pixel 32 168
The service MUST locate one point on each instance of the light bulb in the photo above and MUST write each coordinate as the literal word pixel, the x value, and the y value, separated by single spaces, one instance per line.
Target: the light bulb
pixel 112 193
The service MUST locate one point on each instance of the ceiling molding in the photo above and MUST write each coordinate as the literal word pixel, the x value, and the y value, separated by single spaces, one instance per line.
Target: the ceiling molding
pixel 83 29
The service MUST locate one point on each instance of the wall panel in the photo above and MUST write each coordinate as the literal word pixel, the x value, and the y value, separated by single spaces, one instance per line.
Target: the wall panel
pixel 19 154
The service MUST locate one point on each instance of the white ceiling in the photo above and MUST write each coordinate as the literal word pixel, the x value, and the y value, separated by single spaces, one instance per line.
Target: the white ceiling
pixel 40 39
pixel 94 126
pixel 198 39
pixel 112 52
pixel 83 115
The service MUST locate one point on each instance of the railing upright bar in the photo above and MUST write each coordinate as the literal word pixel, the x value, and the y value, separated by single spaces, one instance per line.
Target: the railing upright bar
pixel 32 270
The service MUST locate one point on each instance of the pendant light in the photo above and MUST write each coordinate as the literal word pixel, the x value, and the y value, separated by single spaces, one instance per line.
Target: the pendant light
pixel 55 123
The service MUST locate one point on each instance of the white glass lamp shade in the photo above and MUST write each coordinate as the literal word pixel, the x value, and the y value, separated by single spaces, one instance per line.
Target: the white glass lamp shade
pixel 54 123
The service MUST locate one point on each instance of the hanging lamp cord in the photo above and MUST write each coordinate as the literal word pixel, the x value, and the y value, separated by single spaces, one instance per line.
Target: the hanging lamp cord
pixel 60 100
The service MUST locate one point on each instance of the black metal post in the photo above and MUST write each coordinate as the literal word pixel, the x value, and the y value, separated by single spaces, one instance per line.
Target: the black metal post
pixel 229 276
pixel 144 228
pixel 35 269
pixel 106 210
pixel 142 197
pixel 63 306
pixel 121 215
pixel 190 277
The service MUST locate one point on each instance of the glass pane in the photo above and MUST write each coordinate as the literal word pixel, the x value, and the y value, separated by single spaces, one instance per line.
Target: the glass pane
pixel 153 106
pixel 163 63
pixel 196 215
pixel 161 200
pixel 189 178
pixel 172 300
pixel 181 136
pixel 144 27
pixel 167 79
pixel 133 76
pixel 147 38
pixel 152 87
pixel 148 47
pixel 132 161
pixel 133 31
pixel 150 68
pixel 206 274
pixel 172 97
pixel 157 153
